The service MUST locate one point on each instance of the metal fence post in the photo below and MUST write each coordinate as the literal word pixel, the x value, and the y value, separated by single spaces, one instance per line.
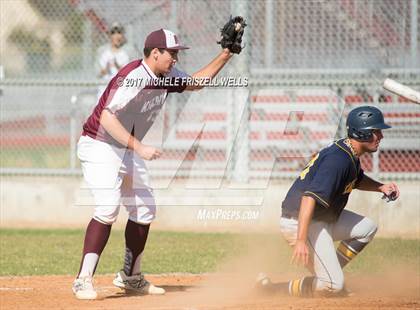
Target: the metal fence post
pixel 172 105
pixel 87 47
pixel 375 164
pixel 241 117
pixel 414 33
pixel 269 26
pixel 73 132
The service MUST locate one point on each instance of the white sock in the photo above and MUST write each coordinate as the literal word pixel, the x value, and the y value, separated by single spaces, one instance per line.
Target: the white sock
pixel 89 263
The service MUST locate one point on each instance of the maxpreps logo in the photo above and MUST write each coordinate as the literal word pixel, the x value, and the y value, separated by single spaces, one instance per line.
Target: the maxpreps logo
pixel 155 101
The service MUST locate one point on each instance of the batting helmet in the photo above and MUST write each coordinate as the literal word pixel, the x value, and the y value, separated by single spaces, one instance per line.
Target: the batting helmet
pixel 362 121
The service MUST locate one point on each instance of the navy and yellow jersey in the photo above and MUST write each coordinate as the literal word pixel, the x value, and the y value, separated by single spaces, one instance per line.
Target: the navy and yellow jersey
pixel 329 178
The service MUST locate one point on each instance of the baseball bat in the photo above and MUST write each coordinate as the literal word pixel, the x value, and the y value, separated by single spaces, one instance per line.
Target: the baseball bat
pixel 402 90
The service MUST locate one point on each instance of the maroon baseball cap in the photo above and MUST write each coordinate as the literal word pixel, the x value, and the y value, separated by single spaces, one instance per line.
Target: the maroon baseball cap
pixel 163 38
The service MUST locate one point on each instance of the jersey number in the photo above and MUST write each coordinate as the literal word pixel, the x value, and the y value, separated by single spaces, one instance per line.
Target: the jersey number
pixel 308 166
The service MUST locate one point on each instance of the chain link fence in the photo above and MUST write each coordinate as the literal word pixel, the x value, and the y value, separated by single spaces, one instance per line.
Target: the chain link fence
pixel 308 63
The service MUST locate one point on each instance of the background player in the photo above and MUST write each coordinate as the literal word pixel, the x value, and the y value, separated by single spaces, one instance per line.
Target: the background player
pixel 111 153
pixel 113 55
pixel 312 212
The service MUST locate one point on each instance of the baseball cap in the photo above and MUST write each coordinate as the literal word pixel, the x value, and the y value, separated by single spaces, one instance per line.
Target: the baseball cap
pixel 116 27
pixel 163 38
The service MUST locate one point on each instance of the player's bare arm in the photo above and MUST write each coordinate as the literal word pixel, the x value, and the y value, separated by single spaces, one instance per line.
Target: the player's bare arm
pixel 388 189
pixel 113 126
pixel 212 69
pixel 301 251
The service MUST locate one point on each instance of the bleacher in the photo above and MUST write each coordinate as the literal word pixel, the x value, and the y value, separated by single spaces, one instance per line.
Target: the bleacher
pixel 287 125
pixel 292 125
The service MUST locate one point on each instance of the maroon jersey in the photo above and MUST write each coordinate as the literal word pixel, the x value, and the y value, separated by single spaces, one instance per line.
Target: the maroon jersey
pixel 131 98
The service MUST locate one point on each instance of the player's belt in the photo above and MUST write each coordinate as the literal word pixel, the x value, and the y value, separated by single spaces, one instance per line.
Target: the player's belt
pixel 289 216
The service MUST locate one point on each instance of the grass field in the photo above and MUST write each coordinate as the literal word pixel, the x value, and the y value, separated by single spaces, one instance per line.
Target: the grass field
pixel 44 157
pixel 47 252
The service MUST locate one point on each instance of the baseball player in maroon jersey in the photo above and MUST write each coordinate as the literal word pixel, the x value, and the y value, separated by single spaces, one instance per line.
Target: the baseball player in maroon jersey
pixel 112 153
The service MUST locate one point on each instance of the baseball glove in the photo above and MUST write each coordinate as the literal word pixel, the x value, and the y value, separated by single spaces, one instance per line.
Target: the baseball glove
pixel 232 34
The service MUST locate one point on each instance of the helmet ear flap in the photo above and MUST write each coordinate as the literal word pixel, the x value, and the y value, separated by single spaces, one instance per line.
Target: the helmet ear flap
pixel 359 134
pixel 365 134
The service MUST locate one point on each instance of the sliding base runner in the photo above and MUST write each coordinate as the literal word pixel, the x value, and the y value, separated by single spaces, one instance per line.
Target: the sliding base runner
pixel 313 215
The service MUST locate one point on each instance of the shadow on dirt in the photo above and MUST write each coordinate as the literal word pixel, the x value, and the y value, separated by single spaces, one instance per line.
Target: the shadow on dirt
pixel 167 288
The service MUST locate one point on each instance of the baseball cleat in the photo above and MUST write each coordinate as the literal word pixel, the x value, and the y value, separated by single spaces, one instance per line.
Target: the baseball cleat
pixel 83 288
pixel 136 284
pixel 345 293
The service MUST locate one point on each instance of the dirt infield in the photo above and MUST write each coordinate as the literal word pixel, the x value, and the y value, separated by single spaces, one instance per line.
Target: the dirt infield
pixel 212 291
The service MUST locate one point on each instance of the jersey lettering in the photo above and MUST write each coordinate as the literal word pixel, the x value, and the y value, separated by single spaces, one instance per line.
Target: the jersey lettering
pixel 308 167
pixel 156 101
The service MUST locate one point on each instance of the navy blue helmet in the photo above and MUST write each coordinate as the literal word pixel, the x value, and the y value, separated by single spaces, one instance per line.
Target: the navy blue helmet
pixel 362 121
